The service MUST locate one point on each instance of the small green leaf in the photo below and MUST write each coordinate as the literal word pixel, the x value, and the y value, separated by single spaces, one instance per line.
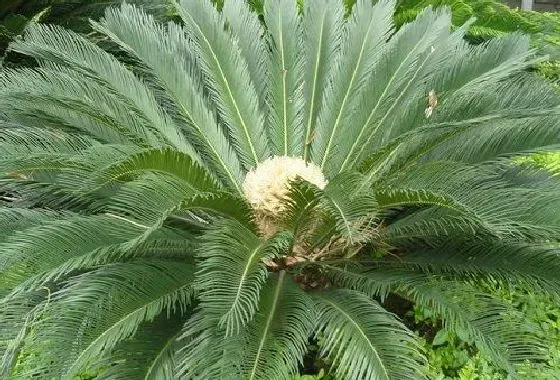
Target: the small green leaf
pixel 440 338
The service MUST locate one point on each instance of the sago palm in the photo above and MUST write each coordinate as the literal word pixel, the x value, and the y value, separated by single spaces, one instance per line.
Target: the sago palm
pixel 233 188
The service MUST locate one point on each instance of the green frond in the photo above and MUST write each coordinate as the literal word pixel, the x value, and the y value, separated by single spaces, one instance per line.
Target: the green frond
pixel 270 347
pixel 285 78
pixel 146 199
pixel 496 328
pixel 227 78
pixel 370 281
pixel 476 192
pixel 54 46
pixel 36 249
pixel 366 31
pixel 168 161
pixel 355 212
pixel 363 339
pixel 165 52
pixel 250 34
pixel 149 355
pixel 83 321
pixel 19 141
pixel 205 353
pixel 58 100
pixel 14 219
pixel 221 204
pixel 537 266
pixel 276 340
pixel 406 53
pixel 322 26
pixel 302 205
pixel 231 272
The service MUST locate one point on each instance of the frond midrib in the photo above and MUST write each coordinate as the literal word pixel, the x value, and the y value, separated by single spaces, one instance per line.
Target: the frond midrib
pixel 269 319
pixel 362 333
pixel 121 321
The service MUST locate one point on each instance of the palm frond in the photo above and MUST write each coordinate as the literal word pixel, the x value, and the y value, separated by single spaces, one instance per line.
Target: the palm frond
pixel 162 160
pixel 364 340
pixel 475 192
pixel 149 355
pixel 247 27
pixel 366 30
pixel 227 78
pixel 165 53
pixel 55 46
pixel 406 54
pixel 231 272
pixel 83 320
pixel 31 250
pixel 276 339
pixel 322 25
pixel 221 204
pixel 497 329
pixel 285 78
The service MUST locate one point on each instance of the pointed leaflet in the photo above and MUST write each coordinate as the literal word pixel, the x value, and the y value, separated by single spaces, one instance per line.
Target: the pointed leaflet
pixel 53 46
pixel 364 340
pixel 164 52
pixel 83 320
pixel 285 77
pixel 322 28
pixel 495 327
pixel 231 272
pixel 276 339
pixel 227 78
pixel 245 25
pixel 404 53
pixel 367 30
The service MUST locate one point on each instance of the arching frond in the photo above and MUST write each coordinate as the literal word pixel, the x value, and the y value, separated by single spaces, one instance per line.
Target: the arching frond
pixel 497 329
pixel 367 29
pixel 247 27
pixel 364 340
pixel 276 339
pixel 323 33
pixel 166 55
pixel 475 192
pixel 149 355
pixel 55 46
pixel 83 320
pixel 232 272
pixel 36 249
pixel 167 161
pixel 406 53
pixel 271 346
pixel 227 79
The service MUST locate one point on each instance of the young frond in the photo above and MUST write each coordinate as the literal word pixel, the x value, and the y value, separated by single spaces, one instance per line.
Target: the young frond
pixel 232 272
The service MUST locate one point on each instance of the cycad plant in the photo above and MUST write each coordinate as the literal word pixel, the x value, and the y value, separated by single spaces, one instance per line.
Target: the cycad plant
pixel 241 187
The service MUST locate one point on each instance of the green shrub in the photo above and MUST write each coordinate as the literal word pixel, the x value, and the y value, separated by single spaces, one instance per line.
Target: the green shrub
pixel 203 202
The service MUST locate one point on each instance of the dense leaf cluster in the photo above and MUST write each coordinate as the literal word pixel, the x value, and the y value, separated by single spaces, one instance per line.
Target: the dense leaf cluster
pixel 128 248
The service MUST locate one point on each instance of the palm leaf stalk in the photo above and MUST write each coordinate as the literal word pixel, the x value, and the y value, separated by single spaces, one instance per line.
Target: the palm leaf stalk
pixel 242 185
